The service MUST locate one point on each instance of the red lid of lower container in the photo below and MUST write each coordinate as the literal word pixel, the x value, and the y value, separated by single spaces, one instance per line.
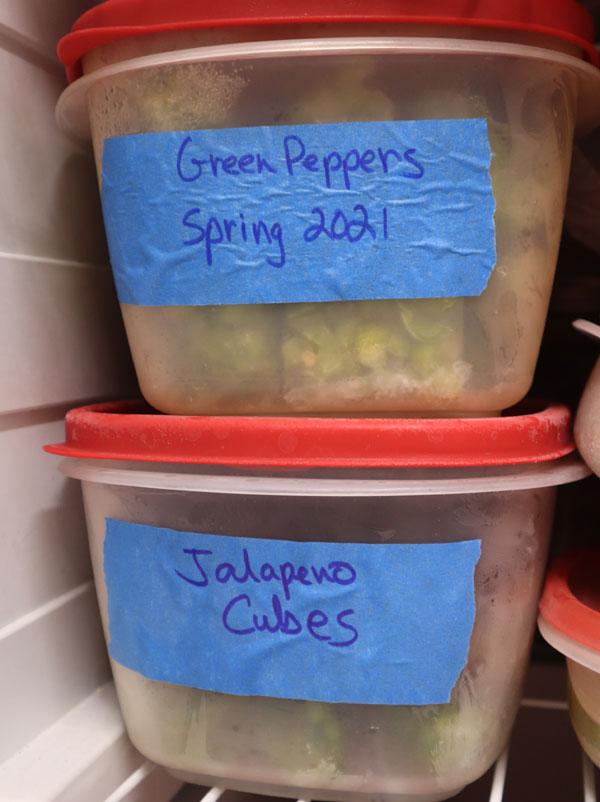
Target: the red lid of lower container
pixel 571 599
pixel 133 431
pixel 117 19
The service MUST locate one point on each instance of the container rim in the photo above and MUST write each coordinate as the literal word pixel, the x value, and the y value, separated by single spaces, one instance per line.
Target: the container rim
pixel 571 649
pixel 72 110
pixel 530 477
pixel 571 579
pixel 118 19
pixel 131 431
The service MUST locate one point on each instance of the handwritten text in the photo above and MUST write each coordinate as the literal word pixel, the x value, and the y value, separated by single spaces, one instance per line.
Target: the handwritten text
pixel 241 616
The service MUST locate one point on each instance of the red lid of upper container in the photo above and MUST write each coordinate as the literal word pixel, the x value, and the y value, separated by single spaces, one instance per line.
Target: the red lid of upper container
pixel 571 599
pixel 133 431
pixel 117 19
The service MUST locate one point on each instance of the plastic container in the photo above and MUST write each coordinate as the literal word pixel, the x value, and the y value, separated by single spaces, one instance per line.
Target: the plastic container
pixel 410 494
pixel 264 322
pixel 587 421
pixel 570 621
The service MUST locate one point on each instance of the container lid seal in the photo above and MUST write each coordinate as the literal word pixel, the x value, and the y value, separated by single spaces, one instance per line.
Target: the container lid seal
pixel 118 19
pixel 571 599
pixel 132 431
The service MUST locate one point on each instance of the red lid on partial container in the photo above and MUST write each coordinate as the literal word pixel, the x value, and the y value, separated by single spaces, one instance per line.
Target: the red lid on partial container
pixel 133 431
pixel 571 598
pixel 117 19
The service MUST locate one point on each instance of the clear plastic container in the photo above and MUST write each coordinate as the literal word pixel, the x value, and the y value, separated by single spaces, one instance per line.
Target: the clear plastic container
pixel 570 621
pixel 417 356
pixel 311 749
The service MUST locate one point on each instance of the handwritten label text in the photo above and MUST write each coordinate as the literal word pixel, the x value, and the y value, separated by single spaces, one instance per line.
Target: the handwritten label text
pixel 284 214
pixel 240 616
pixel 334 622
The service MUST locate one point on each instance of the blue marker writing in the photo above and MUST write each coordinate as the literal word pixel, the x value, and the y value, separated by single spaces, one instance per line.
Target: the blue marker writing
pixel 224 231
pixel 238 619
pixel 190 168
pixel 336 572
pixel 354 161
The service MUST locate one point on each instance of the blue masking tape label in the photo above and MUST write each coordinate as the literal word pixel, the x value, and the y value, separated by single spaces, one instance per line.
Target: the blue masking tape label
pixel 331 622
pixel 284 214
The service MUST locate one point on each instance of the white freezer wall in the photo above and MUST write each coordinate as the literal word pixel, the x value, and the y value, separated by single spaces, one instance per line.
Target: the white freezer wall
pixel 62 344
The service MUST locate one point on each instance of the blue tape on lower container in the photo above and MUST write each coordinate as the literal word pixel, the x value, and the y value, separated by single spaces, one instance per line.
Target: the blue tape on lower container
pixel 331 622
pixel 284 214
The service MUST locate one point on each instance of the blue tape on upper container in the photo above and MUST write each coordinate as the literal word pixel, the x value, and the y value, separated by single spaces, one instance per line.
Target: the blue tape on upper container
pixel 283 214
pixel 330 622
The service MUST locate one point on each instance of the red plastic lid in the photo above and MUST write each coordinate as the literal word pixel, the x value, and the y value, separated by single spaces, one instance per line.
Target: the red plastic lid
pixel 132 431
pixel 117 19
pixel 571 598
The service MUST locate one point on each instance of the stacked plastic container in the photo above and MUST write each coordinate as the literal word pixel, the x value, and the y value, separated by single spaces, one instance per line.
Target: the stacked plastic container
pixel 333 228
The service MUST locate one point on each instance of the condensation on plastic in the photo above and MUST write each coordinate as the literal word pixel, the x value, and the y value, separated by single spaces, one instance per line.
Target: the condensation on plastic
pixel 72 110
